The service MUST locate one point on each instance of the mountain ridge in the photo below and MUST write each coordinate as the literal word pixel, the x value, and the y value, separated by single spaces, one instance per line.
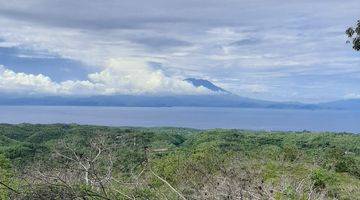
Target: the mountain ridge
pixel 219 98
pixel 206 84
pixel 214 100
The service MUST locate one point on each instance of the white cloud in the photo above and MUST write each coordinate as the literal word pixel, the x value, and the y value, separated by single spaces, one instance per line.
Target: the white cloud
pixel 137 77
pixel 352 96
pixel 122 76
pixel 255 88
pixel 30 84
pixel 8 44
pixel 21 82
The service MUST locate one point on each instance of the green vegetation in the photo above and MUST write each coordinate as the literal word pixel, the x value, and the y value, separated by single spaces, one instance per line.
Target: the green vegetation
pixel 354 36
pixel 90 162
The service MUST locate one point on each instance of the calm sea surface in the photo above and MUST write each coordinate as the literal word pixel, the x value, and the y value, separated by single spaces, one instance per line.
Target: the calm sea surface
pixel 202 118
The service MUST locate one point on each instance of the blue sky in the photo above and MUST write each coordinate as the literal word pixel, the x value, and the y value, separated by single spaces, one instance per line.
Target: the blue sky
pixel 268 49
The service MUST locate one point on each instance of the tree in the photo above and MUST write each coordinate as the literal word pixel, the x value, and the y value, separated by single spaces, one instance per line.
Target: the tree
pixel 5 178
pixel 95 162
pixel 354 36
pixel 79 169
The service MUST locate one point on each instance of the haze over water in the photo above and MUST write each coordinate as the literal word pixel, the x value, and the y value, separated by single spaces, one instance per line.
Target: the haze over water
pixel 191 117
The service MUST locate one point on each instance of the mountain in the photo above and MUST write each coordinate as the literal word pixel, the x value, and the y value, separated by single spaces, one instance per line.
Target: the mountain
pixel 205 83
pixel 347 104
pixel 216 100
pixel 220 98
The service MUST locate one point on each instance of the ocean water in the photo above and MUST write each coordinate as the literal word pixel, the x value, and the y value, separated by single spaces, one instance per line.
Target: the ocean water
pixel 191 117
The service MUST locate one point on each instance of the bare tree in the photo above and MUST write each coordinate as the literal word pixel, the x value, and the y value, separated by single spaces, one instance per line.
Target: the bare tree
pixel 70 167
pixel 95 163
pixel 239 181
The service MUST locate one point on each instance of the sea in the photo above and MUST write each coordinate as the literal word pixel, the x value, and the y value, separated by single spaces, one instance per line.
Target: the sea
pixel 189 117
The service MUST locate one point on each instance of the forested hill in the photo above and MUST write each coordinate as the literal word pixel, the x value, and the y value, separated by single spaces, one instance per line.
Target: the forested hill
pixel 89 162
pixel 216 100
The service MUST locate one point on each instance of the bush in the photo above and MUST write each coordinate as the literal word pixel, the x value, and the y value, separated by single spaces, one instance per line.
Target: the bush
pixel 322 178
pixel 348 164
pixel 291 152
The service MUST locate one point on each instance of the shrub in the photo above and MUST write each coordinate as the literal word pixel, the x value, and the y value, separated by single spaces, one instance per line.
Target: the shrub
pixel 291 152
pixel 322 178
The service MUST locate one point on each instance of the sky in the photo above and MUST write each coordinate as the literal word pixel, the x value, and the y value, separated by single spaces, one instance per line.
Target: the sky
pixel 280 50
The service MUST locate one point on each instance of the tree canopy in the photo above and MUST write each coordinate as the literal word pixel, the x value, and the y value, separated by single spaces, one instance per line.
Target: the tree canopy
pixel 60 161
pixel 354 36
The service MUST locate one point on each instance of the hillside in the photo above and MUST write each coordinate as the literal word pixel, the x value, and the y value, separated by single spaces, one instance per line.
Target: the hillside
pixel 89 162
pixel 215 100
pixel 348 104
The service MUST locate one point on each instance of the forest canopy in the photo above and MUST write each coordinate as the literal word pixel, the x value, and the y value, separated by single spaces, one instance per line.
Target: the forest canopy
pixel 90 162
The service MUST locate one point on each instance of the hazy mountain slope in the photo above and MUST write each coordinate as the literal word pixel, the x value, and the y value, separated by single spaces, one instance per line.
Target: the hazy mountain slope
pixel 349 104
pixel 220 98
pixel 224 100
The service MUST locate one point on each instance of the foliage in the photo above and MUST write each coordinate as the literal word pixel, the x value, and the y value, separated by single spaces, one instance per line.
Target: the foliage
pixel 90 162
pixel 354 35
pixel 5 177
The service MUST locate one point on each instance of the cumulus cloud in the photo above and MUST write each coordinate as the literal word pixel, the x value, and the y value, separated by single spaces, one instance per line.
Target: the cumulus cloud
pixel 121 76
pixel 137 77
pixel 21 82
pixel 30 84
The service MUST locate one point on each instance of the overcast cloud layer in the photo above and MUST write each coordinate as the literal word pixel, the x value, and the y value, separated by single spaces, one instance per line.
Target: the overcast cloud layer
pixel 270 49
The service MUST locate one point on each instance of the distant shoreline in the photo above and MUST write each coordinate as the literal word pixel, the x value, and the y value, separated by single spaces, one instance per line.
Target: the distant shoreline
pixel 179 128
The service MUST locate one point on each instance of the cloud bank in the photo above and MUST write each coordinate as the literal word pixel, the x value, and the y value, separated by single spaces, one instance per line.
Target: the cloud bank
pixel 119 77
pixel 269 49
